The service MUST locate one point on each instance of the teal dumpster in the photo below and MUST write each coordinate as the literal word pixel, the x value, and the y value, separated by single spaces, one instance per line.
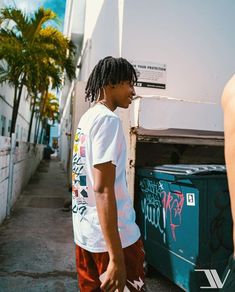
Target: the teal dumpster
pixel 184 215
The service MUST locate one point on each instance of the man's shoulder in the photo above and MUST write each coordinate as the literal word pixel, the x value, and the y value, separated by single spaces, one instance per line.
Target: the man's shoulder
pixel 93 120
pixel 99 114
pixel 228 96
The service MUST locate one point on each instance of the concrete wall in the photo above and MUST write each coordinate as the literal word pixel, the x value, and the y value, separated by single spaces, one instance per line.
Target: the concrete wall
pixel 26 158
pixel 5 144
pixel 101 35
pixel 64 138
pixel 195 39
pixel 23 118
pixel 79 105
pixel 74 30
pixel 74 17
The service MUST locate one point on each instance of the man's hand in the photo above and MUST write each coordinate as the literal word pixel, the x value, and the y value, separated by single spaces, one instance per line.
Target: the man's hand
pixel 115 278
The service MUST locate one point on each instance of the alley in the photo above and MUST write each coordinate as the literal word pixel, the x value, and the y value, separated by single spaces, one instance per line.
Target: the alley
pixel 36 243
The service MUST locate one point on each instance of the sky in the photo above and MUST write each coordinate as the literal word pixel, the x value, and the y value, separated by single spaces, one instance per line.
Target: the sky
pixel 29 6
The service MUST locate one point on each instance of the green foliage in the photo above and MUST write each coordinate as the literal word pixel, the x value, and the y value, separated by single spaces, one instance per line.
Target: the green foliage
pixel 33 55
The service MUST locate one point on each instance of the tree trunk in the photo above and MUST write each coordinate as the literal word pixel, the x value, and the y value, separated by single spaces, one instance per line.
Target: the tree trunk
pixel 31 118
pixel 35 130
pixel 13 116
pixel 16 104
pixel 38 128
pixel 41 114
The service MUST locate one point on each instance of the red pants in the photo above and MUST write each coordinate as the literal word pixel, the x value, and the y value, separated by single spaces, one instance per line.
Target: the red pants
pixel 91 265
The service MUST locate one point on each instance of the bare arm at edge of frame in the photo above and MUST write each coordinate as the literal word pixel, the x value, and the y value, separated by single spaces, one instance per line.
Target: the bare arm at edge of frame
pixel 228 104
pixel 104 179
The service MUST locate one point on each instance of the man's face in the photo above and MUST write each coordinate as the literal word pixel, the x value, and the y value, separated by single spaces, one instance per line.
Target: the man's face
pixel 123 93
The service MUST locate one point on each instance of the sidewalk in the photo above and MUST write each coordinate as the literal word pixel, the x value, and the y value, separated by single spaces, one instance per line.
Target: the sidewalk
pixel 36 245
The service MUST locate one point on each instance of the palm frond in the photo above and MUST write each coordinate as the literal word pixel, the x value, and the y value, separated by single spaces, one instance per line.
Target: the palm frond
pixel 40 17
pixel 16 16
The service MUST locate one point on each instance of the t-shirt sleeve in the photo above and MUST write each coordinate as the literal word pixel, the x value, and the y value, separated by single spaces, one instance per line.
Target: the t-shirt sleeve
pixel 106 140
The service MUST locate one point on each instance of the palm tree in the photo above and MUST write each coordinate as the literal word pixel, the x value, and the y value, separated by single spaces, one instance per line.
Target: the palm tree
pixel 50 111
pixel 17 35
pixel 42 77
pixel 26 48
pixel 50 70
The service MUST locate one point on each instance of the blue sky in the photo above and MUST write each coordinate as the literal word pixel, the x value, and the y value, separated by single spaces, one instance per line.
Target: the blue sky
pixel 58 6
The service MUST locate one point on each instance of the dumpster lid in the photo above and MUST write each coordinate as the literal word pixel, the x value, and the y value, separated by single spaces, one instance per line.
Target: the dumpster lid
pixel 188 169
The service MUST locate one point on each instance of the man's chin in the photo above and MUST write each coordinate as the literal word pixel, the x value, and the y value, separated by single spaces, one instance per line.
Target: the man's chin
pixel 124 106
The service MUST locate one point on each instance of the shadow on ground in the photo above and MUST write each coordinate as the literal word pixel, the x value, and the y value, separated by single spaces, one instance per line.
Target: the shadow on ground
pixel 36 243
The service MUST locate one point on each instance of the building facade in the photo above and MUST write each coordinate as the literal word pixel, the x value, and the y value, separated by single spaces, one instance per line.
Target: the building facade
pixel 74 30
pixel 181 51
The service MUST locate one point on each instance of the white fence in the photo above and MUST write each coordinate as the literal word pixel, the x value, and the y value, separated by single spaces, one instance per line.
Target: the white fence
pixel 18 162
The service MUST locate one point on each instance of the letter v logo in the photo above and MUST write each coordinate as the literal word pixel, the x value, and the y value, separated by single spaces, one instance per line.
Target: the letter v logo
pixel 213 279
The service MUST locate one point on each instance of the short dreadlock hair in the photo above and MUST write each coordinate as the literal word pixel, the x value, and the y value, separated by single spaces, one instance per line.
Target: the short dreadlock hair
pixel 109 71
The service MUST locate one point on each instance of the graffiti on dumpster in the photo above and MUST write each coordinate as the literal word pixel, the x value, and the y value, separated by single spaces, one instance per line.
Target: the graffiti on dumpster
pixel 173 203
pixel 160 207
pixel 151 208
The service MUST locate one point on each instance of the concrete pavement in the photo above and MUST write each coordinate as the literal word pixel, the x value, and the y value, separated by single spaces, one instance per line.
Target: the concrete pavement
pixel 36 243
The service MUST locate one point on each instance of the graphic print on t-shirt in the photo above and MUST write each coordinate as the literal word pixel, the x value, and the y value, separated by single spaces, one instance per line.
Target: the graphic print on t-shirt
pixel 79 181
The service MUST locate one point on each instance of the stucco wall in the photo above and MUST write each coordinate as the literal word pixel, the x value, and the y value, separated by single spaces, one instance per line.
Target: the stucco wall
pixel 26 159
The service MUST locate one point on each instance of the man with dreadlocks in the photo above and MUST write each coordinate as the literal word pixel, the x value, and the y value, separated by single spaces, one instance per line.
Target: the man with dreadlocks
pixel 109 252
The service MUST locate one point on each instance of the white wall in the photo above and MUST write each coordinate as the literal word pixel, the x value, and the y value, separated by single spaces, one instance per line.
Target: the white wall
pixel 23 118
pixel 4 173
pixel 6 104
pixel 195 39
pixel 26 160
pixel 64 141
pixel 65 130
pixel 73 29
pixel 78 16
pixel 92 12
pixel 102 29
pixel 74 17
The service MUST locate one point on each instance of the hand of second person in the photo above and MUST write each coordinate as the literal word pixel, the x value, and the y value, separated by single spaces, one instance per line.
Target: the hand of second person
pixel 115 278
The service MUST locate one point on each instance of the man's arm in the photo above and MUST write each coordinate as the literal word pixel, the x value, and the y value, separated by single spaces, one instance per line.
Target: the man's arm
pixel 104 179
pixel 228 103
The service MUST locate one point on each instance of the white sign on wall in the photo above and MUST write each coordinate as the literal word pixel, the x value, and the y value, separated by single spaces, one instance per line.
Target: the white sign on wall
pixel 150 74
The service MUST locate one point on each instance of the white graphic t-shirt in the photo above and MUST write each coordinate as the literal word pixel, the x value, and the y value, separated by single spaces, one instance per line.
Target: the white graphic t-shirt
pixel 99 138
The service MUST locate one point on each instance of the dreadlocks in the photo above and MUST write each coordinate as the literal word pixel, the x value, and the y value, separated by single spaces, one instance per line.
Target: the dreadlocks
pixel 109 71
